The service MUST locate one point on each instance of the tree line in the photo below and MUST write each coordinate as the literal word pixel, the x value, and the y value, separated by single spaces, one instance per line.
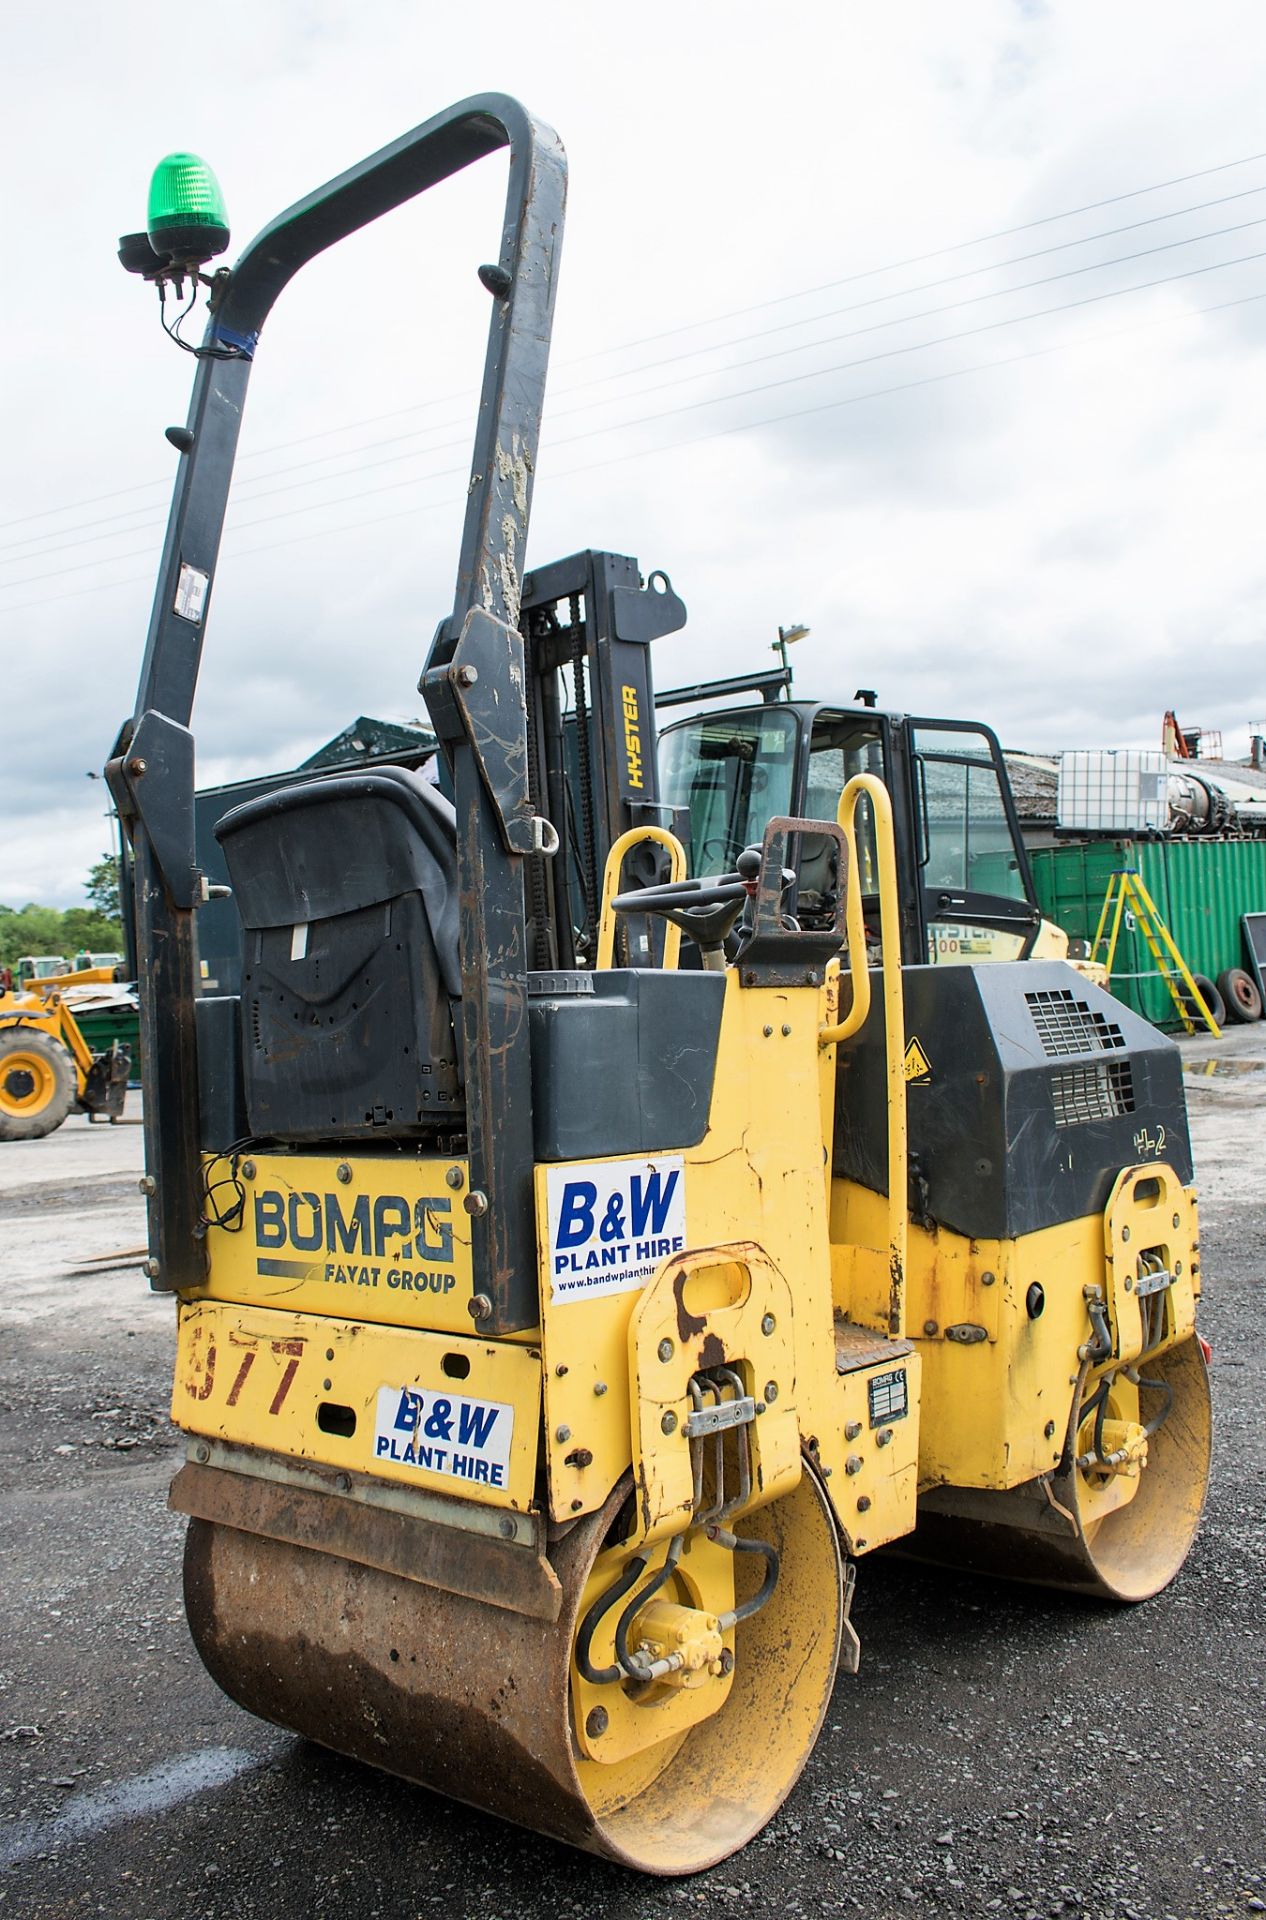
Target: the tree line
pixel 94 928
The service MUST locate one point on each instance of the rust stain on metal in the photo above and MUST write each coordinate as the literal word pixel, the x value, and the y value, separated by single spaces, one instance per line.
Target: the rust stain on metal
pixel 442 1689
pixel 896 1290
pixel 500 1574
pixel 207 1368
pixel 712 1352
pixel 644 1496
pixel 688 1324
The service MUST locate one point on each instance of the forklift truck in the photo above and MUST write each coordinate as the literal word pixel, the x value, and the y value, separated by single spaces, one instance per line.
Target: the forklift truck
pixel 965 886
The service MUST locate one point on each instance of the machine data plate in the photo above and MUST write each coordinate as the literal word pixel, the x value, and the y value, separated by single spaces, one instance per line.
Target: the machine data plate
pixel 887 1396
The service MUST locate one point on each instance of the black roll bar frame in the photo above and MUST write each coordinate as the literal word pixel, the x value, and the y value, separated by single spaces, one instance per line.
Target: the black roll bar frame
pixel 151 772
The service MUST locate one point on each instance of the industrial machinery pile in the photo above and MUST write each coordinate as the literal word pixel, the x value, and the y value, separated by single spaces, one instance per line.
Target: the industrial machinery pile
pixel 554 1339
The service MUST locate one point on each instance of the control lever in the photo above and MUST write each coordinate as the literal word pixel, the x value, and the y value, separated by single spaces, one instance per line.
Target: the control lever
pixel 748 866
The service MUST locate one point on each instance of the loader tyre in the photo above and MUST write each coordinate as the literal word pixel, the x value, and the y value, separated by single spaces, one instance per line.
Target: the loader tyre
pixel 37 1084
pixel 1240 992
pixel 476 1701
pixel 1211 998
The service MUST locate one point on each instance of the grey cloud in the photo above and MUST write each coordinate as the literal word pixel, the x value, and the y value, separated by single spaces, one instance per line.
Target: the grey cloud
pixel 1063 547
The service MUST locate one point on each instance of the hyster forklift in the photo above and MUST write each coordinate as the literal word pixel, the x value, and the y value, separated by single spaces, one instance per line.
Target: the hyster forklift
pixel 554 1339
pixel 964 885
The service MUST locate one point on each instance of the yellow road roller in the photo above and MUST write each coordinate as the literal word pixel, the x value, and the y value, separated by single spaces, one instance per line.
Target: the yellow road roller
pixel 580 1266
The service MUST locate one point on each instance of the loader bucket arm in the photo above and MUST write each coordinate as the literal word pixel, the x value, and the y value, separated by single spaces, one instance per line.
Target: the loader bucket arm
pixel 152 771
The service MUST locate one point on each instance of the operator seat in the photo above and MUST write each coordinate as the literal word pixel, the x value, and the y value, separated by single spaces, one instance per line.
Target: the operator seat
pixel 817 877
pixel 347 892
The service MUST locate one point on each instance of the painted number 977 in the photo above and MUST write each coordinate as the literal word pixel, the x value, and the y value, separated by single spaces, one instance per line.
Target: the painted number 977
pixel 291 1351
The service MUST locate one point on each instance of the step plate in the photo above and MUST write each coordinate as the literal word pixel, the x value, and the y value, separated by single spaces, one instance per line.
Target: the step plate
pixel 878 1380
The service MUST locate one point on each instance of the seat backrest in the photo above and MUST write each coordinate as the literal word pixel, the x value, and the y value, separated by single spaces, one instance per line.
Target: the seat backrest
pixel 329 847
pixel 347 893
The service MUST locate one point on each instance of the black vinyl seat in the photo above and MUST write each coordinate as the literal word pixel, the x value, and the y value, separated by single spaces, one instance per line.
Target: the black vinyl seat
pixel 347 892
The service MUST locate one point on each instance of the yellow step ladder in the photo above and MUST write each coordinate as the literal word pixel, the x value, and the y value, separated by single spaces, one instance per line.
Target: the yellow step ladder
pixel 1126 884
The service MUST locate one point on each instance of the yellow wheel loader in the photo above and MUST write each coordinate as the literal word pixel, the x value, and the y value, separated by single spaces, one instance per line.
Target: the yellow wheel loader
pixel 47 1068
pixel 555 1339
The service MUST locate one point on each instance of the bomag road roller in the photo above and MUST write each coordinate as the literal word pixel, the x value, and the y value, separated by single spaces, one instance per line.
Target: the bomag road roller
pixel 555 1338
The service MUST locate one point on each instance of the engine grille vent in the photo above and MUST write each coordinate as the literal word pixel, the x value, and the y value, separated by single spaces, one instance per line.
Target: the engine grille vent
pixel 1100 1092
pixel 1067 1025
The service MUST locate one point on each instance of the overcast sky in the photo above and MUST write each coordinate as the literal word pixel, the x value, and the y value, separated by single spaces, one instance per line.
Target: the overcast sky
pixel 842 339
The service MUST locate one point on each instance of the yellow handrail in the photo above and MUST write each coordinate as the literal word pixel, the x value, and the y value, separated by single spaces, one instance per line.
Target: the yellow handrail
pixel 858 972
pixel 611 882
pixel 894 1008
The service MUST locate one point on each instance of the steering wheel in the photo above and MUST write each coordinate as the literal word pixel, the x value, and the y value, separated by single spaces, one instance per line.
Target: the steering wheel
pixel 729 848
pixel 706 909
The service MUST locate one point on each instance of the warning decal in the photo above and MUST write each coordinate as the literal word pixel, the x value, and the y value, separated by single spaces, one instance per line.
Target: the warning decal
pixel 191 593
pixel 917 1065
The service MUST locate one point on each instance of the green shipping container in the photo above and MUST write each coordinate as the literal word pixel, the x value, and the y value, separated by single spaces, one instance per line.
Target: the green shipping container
pixel 101 1025
pixel 1201 887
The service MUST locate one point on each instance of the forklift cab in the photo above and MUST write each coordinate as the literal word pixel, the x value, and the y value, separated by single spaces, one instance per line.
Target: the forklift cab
pixel 966 888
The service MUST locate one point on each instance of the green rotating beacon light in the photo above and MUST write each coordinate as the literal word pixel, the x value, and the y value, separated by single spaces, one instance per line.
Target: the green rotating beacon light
pixel 186 217
pixel 186 223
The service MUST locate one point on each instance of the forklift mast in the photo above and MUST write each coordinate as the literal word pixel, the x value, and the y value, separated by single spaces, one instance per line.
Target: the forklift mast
pixel 587 624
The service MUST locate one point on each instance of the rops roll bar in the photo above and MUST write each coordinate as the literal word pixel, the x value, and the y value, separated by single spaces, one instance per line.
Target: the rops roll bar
pixel 151 772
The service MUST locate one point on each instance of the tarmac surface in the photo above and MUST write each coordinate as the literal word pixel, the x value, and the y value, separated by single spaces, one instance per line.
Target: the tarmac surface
pixel 1002 1751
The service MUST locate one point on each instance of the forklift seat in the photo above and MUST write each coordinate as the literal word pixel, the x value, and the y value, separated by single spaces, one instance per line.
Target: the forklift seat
pixel 347 892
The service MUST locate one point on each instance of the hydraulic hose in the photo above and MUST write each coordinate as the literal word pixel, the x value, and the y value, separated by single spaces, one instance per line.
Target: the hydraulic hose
pixel 628 1662
pixel 603 1676
pixel 725 1538
pixel 1157 1386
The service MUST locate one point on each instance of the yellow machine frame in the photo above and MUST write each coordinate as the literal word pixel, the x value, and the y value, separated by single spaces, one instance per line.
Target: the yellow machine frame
pixel 888 1360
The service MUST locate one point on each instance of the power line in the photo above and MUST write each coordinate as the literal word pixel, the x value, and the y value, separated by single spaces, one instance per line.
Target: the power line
pixel 869 273
pixel 713 433
pixel 951 306
pixel 687 406
pixel 691 406
pixel 316 480
pixel 927 286
pixel 937 253
pixel 905 386
pixel 920 346
pixel 692 353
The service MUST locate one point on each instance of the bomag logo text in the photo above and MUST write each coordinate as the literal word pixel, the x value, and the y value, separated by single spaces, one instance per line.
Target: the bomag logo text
pixel 632 735
pixel 388 1225
pixel 371 1240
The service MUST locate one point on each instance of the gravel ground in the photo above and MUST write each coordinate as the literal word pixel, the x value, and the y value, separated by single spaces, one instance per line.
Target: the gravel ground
pixel 1002 1751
